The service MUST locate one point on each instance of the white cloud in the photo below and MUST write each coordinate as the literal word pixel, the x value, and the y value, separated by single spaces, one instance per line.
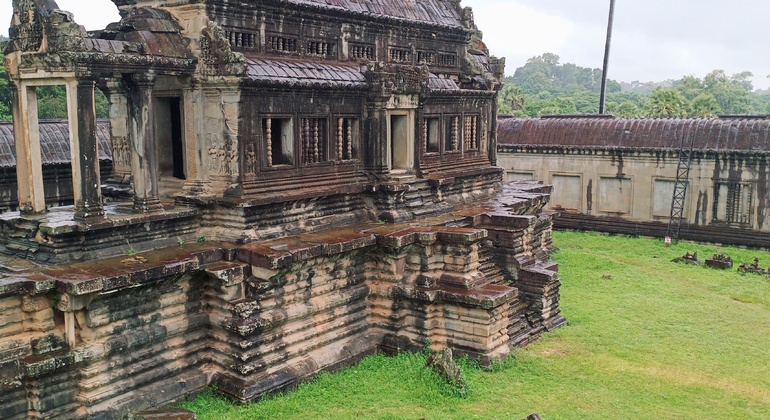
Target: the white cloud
pixel 519 32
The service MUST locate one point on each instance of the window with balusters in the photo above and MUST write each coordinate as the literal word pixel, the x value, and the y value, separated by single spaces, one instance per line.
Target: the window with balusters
pixel 313 140
pixel 346 142
pixel 432 134
pixel 452 134
pixel 320 48
pixel 278 135
pixel 362 51
pixel 471 132
pixel 282 43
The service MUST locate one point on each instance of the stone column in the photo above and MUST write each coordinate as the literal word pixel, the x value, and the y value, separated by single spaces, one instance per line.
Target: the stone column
pixel 121 152
pixel 375 146
pixel 29 168
pixel 86 182
pixel 144 161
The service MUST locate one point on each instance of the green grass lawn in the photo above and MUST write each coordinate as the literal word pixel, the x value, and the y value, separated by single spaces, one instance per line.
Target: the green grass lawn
pixel 656 340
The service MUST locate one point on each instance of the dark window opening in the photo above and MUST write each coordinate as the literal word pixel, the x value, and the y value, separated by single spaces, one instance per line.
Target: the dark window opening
pixel 432 134
pixel 242 40
pixel 278 136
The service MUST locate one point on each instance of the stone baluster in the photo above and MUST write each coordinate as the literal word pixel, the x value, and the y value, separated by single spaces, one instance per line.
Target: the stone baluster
pixel 350 138
pixel 269 140
pixel 340 122
pixel 315 141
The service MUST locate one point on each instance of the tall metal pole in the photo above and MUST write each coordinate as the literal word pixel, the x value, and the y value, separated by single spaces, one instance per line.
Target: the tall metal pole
pixel 603 95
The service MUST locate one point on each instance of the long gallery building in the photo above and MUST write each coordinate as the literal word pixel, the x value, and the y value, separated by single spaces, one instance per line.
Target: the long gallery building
pixel 617 175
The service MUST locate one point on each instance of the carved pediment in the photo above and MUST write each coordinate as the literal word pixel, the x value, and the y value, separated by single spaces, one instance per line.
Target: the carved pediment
pixel 40 26
pixel 216 55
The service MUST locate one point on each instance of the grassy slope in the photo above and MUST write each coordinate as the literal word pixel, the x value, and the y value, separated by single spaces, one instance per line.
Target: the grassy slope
pixel 656 340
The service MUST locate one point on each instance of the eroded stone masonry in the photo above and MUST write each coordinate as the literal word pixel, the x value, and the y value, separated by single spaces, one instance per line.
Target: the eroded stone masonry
pixel 294 184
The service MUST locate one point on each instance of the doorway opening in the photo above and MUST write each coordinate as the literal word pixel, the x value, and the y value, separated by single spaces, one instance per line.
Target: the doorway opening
pixel 168 132
pixel 400 152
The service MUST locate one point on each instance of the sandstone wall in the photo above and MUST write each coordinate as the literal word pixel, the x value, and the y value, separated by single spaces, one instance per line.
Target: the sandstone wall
pixel 630 191
pixel 138 331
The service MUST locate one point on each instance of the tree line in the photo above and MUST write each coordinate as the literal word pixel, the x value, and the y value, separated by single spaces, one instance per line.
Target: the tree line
pixel 544 86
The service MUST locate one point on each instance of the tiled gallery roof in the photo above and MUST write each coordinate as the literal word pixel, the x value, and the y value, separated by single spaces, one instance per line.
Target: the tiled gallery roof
pixel 435 12
pixel 305 73
pixel 718 134
pixel 54 142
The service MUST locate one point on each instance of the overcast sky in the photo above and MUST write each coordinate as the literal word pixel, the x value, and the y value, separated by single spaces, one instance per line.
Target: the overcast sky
pixel 653 40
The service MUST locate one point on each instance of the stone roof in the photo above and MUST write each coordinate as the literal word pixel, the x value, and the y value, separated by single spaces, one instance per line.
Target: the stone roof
pixel 434 12
pixel 437 83
pixel 305 73
pixel 748 134
pixel 54 142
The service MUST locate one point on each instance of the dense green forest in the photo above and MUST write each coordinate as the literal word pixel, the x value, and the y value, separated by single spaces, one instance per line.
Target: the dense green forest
pixel 545 86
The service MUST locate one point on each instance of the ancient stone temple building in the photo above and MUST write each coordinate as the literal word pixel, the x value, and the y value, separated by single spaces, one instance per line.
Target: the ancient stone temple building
pixel 313 181
pixel 617 174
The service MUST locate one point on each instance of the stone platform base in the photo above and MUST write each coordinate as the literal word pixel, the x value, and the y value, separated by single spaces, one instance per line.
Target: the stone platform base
pixel 141 331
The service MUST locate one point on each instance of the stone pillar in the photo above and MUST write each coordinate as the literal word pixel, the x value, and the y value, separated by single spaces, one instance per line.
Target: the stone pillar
pixel 29 168
pixel 121 152
pixel 375 146
pixel 144 161
pixel 84 149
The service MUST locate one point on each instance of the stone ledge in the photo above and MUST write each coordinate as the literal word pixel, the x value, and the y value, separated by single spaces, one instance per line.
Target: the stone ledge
pixel 486 297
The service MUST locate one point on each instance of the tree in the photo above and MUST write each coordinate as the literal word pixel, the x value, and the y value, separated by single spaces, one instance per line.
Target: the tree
pixel 626 109
pixel 666 103
pixel 5 92
pixel 689 87
pixel 705 105
pixel 510 99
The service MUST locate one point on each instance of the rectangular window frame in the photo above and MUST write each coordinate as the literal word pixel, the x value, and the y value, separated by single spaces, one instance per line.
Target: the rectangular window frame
pixel 402 55
pixel 279 125
pixel 426 57
pixel 281 43
pixel 738 206
pixel 447 59
pixel 452 135
pixel 361 51
pixel 321 48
